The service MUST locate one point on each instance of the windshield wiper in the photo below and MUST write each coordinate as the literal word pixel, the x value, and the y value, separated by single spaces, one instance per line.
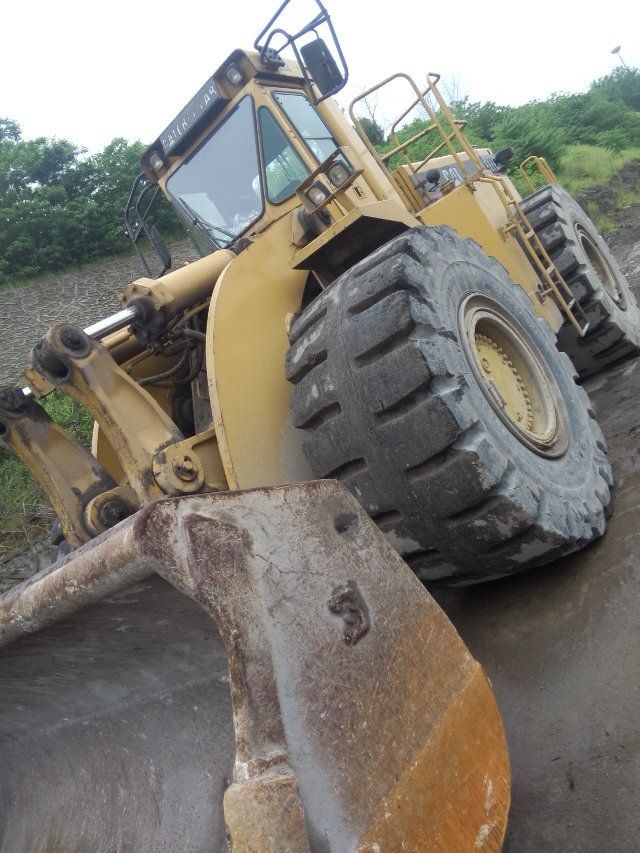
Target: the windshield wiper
pixel 206 227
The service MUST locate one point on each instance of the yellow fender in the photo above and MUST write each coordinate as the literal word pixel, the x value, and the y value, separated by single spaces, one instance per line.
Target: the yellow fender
pixel 245 352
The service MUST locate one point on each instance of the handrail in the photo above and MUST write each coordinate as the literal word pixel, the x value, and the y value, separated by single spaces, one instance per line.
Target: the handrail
pixel 407 143
pixel 270 55
pixel 551 281
pixel 142 190
pixel 543 168
pixel 447 138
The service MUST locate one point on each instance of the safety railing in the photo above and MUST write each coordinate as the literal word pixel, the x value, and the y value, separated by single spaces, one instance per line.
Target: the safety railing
pixel 450 139
pixel 551 280
pixel 543 169
pixel 448 131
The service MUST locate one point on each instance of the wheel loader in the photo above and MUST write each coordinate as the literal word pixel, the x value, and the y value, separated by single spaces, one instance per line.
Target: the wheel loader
pixel 415 331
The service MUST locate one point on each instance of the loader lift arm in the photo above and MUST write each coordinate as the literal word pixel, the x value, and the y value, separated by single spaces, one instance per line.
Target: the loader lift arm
pixel 154 455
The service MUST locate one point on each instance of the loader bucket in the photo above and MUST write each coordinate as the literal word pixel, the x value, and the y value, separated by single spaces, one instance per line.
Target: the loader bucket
pixel 256 669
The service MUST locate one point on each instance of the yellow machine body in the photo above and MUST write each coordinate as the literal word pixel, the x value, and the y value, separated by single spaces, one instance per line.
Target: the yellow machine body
pixel 262 288
pixel 239 555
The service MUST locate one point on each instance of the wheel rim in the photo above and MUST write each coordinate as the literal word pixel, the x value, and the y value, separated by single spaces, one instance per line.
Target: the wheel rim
pixel 600 266
pixel 514 377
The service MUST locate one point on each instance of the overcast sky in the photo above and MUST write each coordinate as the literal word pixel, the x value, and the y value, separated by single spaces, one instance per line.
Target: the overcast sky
pixel 89 72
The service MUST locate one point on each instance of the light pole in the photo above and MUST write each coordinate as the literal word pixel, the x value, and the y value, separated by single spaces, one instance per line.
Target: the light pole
pixel 616 52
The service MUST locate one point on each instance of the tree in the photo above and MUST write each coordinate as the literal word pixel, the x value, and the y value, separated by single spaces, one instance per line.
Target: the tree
pixel 529 130
pixel 9 130
pixel 482 119
pixel 623 84
pixel 58 206
pixel 373 130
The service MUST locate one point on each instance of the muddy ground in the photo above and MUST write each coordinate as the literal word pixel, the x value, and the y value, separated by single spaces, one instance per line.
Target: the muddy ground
pixel 625 239
pixel 79 296
pixel 560 647
pixel 625 244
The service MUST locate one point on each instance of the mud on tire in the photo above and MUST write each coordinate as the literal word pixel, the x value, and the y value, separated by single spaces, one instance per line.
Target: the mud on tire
pixel 391 407
pixel 584 260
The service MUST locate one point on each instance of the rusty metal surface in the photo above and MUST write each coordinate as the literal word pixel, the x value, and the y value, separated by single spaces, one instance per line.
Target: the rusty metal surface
pixel 361 721
pixel 561 646
pixel 82 578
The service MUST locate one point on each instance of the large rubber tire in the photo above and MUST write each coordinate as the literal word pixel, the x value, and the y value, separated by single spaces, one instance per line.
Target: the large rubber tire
pixel 391 407
pixel 570 237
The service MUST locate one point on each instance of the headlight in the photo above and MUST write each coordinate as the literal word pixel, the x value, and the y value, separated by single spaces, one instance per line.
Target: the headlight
pixel 234 75
pixel 316 194
pixel 338 173
pixel 155 161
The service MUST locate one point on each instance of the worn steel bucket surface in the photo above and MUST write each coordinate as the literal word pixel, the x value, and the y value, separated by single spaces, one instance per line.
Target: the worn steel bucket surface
pixel 256 665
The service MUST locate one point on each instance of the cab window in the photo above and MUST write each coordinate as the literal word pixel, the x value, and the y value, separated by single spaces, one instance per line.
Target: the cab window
pixel 284 169
pixel 307 123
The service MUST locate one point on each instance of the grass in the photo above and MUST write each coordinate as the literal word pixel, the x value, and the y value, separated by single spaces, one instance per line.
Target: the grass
pixel 626 197
pixel 582 167
pixel 585 166
pixel 603 222
pixel 24 513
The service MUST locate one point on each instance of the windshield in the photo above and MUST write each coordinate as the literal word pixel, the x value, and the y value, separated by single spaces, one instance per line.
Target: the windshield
pixel 220 184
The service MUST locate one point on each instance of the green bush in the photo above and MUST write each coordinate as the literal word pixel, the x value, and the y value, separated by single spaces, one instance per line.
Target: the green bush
pixel 583 166
pixel 374 132
pixel 529 130
pixel 605 119
pixel 623 84
pixel 60 208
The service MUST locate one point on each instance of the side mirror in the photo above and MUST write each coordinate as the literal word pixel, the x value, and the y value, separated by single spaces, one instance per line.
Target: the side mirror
pixel 322 66
pixel 160 247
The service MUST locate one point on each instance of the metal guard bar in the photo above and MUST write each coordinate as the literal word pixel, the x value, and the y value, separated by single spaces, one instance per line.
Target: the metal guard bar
pixel 551 281
pixel 543 168
pixel 446 138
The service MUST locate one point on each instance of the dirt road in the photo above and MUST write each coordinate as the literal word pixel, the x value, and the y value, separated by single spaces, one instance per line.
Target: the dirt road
pixel 625 244
pixel 561 647
pixel 79 296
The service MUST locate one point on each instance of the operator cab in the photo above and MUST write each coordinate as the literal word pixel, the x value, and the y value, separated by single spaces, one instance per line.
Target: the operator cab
pixel 246 162
pixel 232 159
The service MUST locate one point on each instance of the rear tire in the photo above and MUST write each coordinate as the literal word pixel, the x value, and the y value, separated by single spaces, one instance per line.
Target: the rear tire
pixel 392 405
pixel 592 273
